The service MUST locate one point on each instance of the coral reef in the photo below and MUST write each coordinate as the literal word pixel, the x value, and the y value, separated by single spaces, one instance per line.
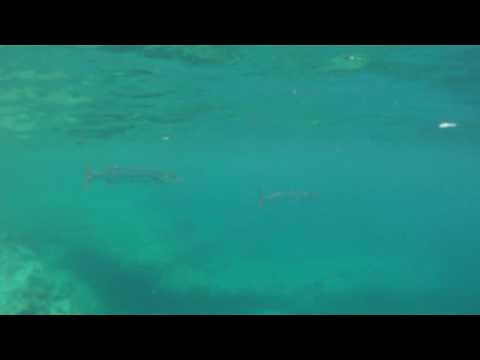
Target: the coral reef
pixel 30 286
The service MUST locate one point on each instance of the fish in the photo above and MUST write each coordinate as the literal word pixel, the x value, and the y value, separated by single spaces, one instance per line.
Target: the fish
pixel 295 195
pixel 152 94
pixel 120 175
pixel 146 95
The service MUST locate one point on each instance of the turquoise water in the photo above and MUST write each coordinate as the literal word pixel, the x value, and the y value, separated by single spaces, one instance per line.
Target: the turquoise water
pixel 393 230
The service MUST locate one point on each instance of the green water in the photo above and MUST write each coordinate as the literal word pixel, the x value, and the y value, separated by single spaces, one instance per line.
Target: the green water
pixel 394 229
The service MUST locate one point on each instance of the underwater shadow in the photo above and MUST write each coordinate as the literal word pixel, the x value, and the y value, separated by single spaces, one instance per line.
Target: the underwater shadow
pixel 129 289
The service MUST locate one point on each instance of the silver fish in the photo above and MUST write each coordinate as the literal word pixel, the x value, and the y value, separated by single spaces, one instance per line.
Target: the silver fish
pixel 121 175
pixel 295 195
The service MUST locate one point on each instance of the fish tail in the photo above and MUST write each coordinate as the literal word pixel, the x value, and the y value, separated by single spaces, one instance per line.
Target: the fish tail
pixel 261 198
pixel 88 175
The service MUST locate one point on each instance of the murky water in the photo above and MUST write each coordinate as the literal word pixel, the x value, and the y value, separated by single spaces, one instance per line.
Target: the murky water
pixel 392 228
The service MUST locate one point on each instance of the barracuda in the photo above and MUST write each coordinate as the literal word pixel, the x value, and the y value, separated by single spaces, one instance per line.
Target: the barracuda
pixel 126 175
pixel 295 195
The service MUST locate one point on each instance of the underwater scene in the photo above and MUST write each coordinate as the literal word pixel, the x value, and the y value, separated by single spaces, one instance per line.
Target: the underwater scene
pixel 259 180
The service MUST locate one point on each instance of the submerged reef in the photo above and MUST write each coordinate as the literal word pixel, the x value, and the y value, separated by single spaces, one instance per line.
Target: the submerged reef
pixel 29 286
pixel 262 287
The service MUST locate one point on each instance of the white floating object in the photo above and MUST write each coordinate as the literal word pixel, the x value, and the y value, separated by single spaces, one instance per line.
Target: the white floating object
pixel 446 125
pixel 166 138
